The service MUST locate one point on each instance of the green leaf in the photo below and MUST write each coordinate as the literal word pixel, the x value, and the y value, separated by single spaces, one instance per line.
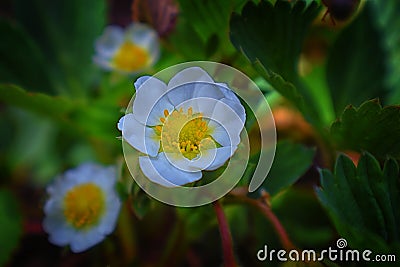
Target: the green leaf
pixel 273 34
pixel 141 204
pixel 316 82
pixel 386 18
pixel 22 62
pixel 291 161
pixel 271 37
pixel 349 80
pixel 95 120
pixel 369 169
pixel 210 20
pixel 65 31
pixel 187 42
pixel 361 202
pixel 54 107
pixel 371 128
pixel 11 225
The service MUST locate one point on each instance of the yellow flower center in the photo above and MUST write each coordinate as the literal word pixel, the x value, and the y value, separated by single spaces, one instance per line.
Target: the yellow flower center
pixel 83 205
pixel 184 132
pixel 130 57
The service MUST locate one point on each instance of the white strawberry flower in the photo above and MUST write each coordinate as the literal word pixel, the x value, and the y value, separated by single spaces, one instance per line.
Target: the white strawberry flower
pixel 82 207
pixel 190 125
pixel 127 50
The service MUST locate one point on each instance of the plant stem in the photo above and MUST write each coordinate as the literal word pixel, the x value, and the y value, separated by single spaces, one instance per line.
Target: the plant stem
pixel 226 238
pixel 268 213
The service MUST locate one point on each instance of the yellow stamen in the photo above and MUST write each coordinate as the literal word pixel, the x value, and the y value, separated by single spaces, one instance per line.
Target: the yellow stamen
pixel 130 57
pixel 84 205
pixel 183 131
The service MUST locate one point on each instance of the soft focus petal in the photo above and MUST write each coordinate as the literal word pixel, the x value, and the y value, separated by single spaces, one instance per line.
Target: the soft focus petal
pixel 103 62
pixel 141 34
pixel 146 37
pixel 85 240
pixel 127 50
pixel 109 42
pixel 159 170
pixel 139 136
pixel 59 224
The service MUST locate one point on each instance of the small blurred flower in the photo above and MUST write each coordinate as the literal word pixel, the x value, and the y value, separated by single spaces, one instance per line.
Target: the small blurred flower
pixel 129 51
pixel 190 125
pixel 82 208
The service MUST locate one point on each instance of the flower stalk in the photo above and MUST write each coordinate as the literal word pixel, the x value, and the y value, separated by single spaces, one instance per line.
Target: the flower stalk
pixel 226 237
pixel 262 205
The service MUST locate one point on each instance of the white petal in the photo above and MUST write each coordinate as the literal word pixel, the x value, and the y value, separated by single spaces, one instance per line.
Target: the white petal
pixel 189 75
pixel 199 105
pixel 180 94
pixel 110 41
pixel 109 220
pixel 160 171
pixel 232 124
pixel 82 240
pixel 220 134
pixel 103 62
pixel 209 90
pixel 105 177
pixel 150 102
pixel 228 93
pixel 222 154
pixel 59 232
pixel 139 136
pixel 236 106
pixel 210 159
pixel 193 91
pixel 140 81
pixel 145 37
pixel 141 34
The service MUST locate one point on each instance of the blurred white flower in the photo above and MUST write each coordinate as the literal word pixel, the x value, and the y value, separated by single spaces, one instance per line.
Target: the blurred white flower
pixel 127 50
pixel 82 208
pixel 190 125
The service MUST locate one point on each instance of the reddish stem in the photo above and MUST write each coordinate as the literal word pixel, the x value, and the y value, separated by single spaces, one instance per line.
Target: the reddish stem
pixel 267 212
pixel 226 237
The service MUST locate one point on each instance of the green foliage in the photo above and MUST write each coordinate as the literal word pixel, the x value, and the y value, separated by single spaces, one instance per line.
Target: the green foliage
pixel 54 107
pixel 307 229
pixel 363 201
pixel 271 37
pixel 91 119
pixel 22 62
pixel 65 32
pixel 388 22
pixel 202 29
pixel 210 20
pixel 370 128
pixel 291 161
pixel 11 225
pixel 141 204
pixel 279 44
pixel 356 68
